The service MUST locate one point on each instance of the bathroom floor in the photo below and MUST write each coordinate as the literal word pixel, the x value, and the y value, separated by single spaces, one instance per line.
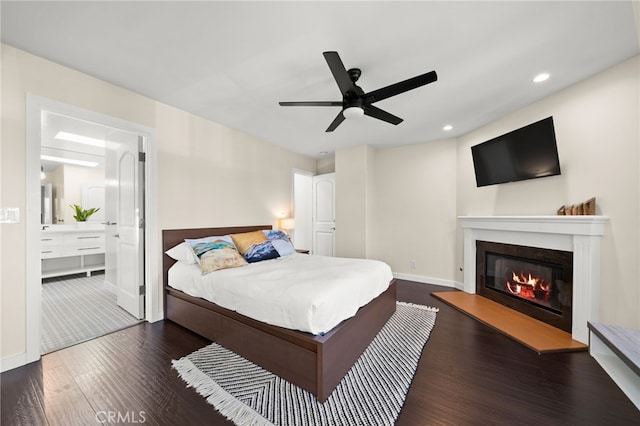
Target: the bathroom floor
pixel 78 308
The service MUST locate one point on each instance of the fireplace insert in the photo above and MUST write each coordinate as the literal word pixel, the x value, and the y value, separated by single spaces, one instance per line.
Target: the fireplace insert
pixel 532 280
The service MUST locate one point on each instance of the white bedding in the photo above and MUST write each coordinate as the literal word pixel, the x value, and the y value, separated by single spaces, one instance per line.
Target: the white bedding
pixel 300 292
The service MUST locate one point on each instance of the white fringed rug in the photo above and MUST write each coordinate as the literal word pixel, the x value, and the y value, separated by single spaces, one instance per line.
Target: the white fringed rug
pixel 372 392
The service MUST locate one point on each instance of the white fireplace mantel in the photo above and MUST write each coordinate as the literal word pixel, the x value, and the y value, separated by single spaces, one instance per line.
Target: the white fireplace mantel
pixel 578 234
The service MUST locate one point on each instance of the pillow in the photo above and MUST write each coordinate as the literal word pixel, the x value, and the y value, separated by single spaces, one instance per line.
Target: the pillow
pixel 182 253
pixel 215 253
pixel 245 240
pixel 280 242
pixel 254 246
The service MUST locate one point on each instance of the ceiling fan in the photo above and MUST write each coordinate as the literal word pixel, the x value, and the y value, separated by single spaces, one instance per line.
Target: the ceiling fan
pixel 355 103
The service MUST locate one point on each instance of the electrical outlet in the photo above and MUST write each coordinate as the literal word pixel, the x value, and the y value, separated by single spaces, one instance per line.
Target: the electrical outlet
pixel 412 264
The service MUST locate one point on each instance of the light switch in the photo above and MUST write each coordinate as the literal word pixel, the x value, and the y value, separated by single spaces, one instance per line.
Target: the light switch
pixel 10 215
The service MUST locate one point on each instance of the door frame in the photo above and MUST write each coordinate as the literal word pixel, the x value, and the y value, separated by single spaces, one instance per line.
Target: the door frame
pixel 35 106
pixel 296 208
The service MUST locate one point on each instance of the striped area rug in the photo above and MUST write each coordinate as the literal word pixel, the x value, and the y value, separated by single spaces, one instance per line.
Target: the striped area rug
pixel 78 308
pixel 372 392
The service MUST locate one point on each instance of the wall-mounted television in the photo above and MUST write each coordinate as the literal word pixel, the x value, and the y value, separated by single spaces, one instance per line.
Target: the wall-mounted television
pixel 526 153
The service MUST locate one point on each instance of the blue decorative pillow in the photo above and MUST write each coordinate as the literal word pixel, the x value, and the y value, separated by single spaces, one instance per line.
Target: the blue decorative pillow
pixel 262 251
pixel 280 241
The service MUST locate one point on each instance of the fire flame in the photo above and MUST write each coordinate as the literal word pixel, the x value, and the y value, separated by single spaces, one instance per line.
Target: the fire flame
pixel 527 286
pixel 521 279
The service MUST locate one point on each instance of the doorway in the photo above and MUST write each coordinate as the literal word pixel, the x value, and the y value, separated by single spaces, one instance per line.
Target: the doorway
pixel 302 210
pixel 124 169
pixel 91 270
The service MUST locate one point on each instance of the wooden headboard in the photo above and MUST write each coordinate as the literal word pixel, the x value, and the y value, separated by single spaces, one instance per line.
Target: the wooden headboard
pixel 173 237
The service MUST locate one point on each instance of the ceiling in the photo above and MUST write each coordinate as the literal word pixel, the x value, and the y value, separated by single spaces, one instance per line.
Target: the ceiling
pixel 231 62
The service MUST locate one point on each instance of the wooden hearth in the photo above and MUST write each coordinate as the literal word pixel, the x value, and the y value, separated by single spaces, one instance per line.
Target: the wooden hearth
pixel 534 334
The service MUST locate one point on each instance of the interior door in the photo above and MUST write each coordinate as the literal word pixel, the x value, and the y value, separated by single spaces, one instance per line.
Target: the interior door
pixel 129 236
pixel 324 213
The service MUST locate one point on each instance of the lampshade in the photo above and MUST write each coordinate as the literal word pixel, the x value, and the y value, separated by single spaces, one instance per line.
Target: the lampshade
pixel 287 224
pixel 353 112
pixel 42 175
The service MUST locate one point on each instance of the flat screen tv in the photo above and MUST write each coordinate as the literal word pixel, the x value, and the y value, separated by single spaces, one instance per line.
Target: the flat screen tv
pixel 526 153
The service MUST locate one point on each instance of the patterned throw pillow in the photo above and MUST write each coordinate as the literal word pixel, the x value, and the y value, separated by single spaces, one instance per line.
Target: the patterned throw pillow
pixel 280 241
pixel 254 246
pixel 215 253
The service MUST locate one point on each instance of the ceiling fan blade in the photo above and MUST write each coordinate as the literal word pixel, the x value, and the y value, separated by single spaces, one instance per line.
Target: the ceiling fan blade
pixel 339 72
pixel 376 112
pixel 336 122
pixel 401 87
pixel 312 103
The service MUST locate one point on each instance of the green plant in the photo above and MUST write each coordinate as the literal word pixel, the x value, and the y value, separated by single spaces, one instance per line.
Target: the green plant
pixel 81 214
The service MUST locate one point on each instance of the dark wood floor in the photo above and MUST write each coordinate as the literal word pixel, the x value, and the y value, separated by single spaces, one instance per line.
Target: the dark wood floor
pixel 468 375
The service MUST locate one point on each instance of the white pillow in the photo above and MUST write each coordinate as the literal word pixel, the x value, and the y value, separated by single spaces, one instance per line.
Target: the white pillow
pixel 182 253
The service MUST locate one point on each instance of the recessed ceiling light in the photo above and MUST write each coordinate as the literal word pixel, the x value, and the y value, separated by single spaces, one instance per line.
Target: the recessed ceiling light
pixel 69 161
pixel 541 77
pixel 447 127
pixel 72 137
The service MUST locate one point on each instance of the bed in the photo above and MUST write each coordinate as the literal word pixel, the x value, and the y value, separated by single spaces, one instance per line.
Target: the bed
pixel 315 363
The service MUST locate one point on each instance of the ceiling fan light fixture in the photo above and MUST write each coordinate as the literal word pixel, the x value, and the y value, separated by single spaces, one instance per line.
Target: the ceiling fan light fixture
pixel 353 112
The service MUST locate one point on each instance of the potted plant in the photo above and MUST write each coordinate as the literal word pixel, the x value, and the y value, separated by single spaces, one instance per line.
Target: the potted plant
pixel 82 215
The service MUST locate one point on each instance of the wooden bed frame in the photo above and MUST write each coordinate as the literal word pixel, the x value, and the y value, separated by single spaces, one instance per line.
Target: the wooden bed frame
pixel 315 363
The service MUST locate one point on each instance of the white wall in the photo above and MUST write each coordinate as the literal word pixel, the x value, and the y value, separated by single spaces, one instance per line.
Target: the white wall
pixel 326 165
pixel 597 126
pixel 75 179
pixel 353 186
pixel 208 175
pixel 414 213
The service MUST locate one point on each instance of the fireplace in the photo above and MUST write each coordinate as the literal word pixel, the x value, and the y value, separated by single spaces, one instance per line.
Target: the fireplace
pixel 532 280
pixel 580 235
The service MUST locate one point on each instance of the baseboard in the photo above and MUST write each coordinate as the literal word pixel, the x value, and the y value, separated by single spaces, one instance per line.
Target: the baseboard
pixel 157 316
pixel 14 361
pixel 428 280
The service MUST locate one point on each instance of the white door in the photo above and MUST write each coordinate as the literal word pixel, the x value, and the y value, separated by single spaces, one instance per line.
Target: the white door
pixel 324 214
pixel 129 240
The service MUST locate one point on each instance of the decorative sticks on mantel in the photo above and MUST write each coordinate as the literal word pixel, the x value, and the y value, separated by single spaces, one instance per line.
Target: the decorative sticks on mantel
pixel 580 209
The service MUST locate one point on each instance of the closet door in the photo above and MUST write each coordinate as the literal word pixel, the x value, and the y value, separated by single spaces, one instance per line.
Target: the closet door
pixel 324 214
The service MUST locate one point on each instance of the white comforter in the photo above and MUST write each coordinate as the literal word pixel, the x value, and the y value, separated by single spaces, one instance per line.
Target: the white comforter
pixel 300 292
